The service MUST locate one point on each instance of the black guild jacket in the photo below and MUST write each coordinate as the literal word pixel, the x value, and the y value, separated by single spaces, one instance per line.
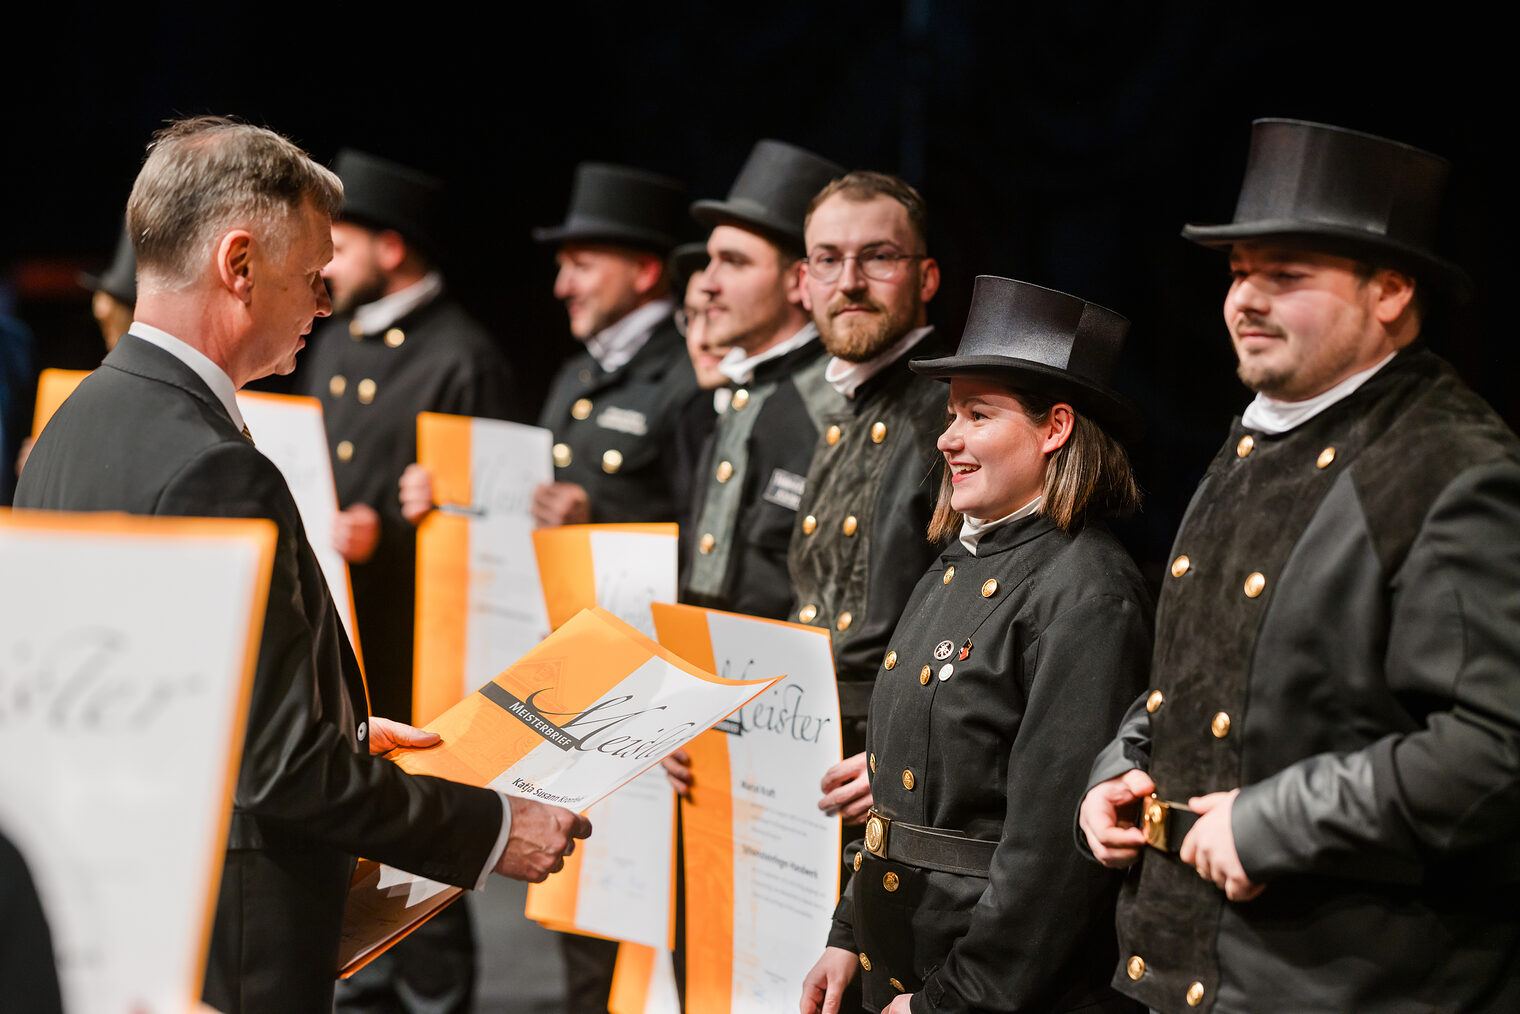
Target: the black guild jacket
pixel 143 434
pixel 615 432
pixel 749 485
pixel 1340 638
pixel 1007 669
pixel 860 539
pixel 435 359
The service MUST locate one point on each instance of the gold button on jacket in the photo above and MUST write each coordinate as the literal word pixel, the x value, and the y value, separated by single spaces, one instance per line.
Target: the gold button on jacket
pixel 878 432
pixel 581 409
pixel 907 779
pixel 832 435
pixel 1220 726
pixel 725 471
pixel 366 391
pixel 740 399
pixel 890 660
pixel 1255 584
pixel 394 337
pixel 337 385
pixel 1154 701
pixel 562 455
pixel 808 524
pixel 1246 446
pixel 849 525
pixel 807 613
pixel 345 450
pixel 1135 967
pixel 612 461
pixel 949 574
pixel 1180 566
pixel 844 621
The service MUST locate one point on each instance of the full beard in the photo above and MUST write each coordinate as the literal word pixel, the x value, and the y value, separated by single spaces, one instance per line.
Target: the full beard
pixel 371 289
pixel 858 338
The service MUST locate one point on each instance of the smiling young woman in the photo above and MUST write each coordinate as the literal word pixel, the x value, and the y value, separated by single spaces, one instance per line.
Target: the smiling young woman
pixel 1013 662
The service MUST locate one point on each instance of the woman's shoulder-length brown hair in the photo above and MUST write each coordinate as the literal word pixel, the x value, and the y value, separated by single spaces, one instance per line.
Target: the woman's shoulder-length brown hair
pixel 1089 476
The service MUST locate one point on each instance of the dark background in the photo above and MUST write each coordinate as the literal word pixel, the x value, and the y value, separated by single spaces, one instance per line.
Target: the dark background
pixel 1061 143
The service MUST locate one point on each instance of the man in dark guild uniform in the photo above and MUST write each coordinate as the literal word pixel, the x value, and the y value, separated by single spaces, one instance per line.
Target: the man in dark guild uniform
pixel 861 538
pixel 396 346
pixel 750 478
pixel 614 407
pixel 1322 787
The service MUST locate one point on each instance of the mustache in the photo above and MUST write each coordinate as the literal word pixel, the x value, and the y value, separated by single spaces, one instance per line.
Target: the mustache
pixel 1251 322
pixel 844 303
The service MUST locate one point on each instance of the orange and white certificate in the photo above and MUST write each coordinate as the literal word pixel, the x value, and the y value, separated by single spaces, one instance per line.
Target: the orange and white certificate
pixel 591 708
pixel 762 861
pixel 127 650
pixel 619 884
pixel 289 431
pixel 479 603
pixel 644 982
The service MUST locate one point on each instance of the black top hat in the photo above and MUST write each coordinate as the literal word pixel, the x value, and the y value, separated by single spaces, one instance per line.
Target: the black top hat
pixel 1044 341
pixel 1349 193
pixel 620 206
pixel 772 191
pixel 381 194
pixel 119 279
pixel 685 261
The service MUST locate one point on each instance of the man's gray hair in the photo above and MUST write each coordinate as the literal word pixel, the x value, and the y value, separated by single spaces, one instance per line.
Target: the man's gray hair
pixel 208 174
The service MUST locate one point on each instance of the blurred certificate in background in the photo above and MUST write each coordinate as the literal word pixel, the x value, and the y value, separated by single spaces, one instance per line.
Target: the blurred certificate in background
pixel 762 861
pixel 127 650
pixel 288 430
pixel 585 712
pixel 479 603
pixel 620 883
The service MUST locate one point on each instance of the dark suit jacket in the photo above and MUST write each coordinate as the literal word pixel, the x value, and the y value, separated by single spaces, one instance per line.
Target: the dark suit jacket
pixel 143 434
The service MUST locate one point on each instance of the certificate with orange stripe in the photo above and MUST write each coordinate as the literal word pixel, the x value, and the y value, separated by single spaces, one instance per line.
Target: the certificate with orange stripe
pixel 127 652
pixel 762 861
pixel 592 707
pixel 644 982
pixel 619 884
pixel 289 431
pixel 479 603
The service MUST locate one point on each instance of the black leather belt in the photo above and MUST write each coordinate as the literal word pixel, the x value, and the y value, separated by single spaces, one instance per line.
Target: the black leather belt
pixel 927 847
pixel 1166 824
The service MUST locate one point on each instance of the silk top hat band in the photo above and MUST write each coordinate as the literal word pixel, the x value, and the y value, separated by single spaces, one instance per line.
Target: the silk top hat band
pixel 772 191
pixel 1045 342
pixel 1343 192
pixel 620 206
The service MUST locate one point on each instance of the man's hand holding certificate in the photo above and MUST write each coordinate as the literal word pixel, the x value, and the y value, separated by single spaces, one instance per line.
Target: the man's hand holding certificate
pixel 589 709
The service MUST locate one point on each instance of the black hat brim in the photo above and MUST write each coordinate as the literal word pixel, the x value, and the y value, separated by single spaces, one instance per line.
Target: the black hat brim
pixel 712 213
pixel 1112 411
pixel 583 230
pixel 1341 240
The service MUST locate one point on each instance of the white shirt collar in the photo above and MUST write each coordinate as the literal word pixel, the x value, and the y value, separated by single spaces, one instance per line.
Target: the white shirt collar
pixel 847 376
pixel 1272 416
pixel 740 368
pixel 212 374
pixel 619 342
pixel 972 529
pixel 372 318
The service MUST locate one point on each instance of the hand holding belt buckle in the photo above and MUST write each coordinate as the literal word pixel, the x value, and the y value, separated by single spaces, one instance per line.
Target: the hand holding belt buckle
pixel 1165 823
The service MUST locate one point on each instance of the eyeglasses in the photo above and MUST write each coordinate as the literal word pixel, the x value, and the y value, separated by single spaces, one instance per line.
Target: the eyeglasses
pixel 880 264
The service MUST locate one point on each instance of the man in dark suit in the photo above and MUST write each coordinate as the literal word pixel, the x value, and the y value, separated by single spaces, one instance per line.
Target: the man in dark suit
pixel 231 225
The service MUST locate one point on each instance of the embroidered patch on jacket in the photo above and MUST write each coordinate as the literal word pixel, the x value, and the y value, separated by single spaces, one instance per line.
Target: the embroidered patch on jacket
pixel 785 489
pixel 624 420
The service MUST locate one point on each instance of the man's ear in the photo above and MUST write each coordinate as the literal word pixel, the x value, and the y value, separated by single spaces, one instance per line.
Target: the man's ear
pixel 390 249
pixel 1394 291
pixel 234 263
pixel 928 279
pixel 649 270
pixel 794 284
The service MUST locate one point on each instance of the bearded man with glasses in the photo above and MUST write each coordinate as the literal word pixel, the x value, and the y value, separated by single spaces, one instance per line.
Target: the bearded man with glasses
pixel 861 533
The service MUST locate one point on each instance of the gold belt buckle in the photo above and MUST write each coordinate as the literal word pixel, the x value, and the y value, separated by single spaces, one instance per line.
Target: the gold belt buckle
pixel 876 834
pixel 1153 821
